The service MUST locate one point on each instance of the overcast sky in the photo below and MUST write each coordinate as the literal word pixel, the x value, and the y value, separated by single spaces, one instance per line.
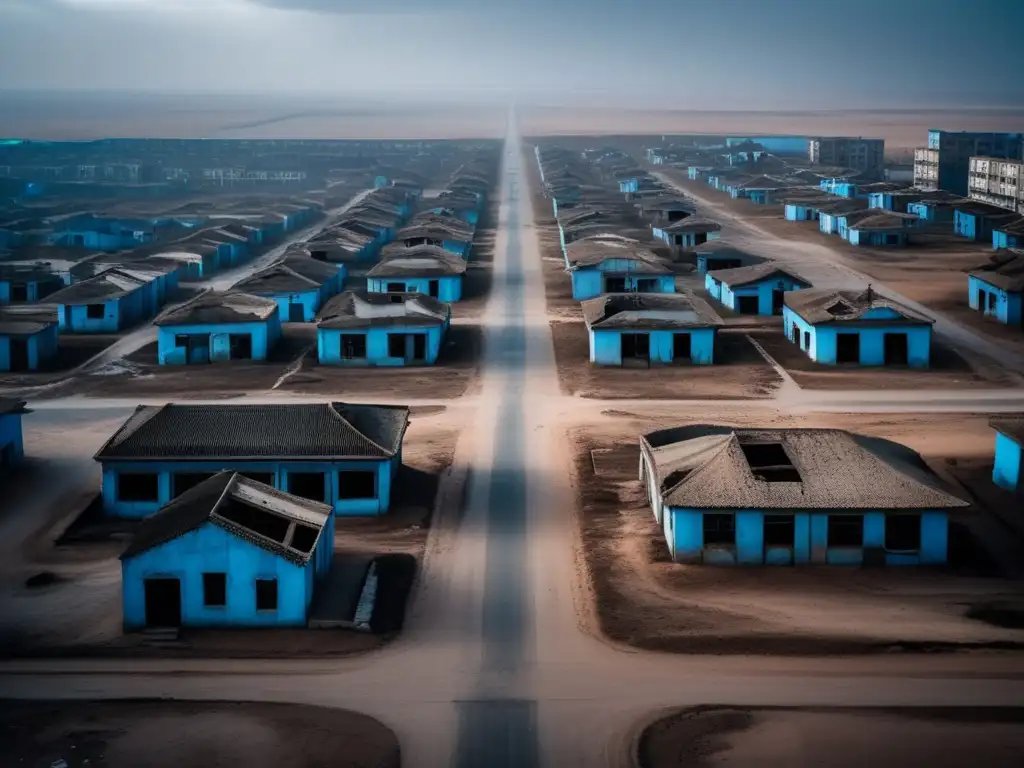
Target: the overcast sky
pixel 699 54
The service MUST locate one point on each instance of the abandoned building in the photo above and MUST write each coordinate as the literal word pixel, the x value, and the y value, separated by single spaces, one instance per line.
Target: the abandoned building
pixel 755 290
pixel 616 266
pixel 728 496
pixel 218 327
pixel 1008 470
pixel 690 232
pixel 996 289
pixel 427 269
pixel 28 340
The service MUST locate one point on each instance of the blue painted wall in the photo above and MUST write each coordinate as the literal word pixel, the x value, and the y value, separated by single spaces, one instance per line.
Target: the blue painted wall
pixel 874 238
pixel 1003 239
pixel 118 314
pixel 449 288
pixel 12 442
pixel 1006 307
pixel 763 290
pixel 777 145
pixel 36 290
pixel 264 335
pixel 590 281
pixel 685 538
pixel 385 470
pixel 1007 471
pixel 683 239
pixel 211 549
pixel 606 346
pixel 932 212
pixel 328 344
pixel 42 347
pixel 308 302
pixel 819 342
pixel 800 213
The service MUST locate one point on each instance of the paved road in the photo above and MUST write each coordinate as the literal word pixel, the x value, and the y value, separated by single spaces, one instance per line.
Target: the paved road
pixel 828 268
pixel 492 669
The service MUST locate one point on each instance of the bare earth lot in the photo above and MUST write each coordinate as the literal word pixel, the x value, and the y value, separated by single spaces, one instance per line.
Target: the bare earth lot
pixel 835 738
pixel 79 613
pixel 740 372
pixel 170 734
pixel 645 600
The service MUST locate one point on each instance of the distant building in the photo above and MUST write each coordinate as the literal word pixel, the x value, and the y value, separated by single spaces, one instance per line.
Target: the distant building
pixel 343 455
pixel 1008 472
pixel 689 232
pixel 997 182
pixel 28 340
pixel 885 228
pixel 859 327
pixel 1009 235
pixel 902 174
pixel 777 145
pixel 218 327
pixel 978 221
pixel 651 329
pixel 22 285
pixel 12 445
pixel 945 162
pixel 107 303
pixel 728 496
pixel 228 552
pixel 610 266
pixel 754 290
pixel 867 156
pixel 426 269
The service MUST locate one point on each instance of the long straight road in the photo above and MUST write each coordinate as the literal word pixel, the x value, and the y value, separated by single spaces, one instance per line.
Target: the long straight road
pixel 493 669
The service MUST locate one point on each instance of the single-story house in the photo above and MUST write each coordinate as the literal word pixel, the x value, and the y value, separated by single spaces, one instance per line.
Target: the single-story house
pixel 633 329
pixel 446 235
pixel 755 290
pixel 12 443
pixel 228 552
pixel 805 208
pixel 996 289
pixel 689 233
pixel 728 496
pixel 1008 472
pixel 762 190
pixel 195 260
pixel 666 209
pixel 720 255
pixel 218 326
pixel 339 246
pixel 1009 235
pixel 883 229
pixel 343 455
pixel 298 297
pixel 107 303
pixel 608 266
pixel 977 221
pixel 27 340
pixel 426 269
pixel 860 327
pixel 935 211
pixel 384 329
pixel 21 284
pixel 330 277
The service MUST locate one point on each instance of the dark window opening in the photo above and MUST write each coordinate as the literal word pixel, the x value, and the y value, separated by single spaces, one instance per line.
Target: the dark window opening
pixel 748 305
pixel 778 301
pixel 419 346
pixel 353 346
pixel 308 485
pixel 183 481
pixel 304 538
pixel 846 530
pixel 700 238
pixel 779 530
pixel 256 520
pixel 396 345
pixel 769 462
pixel 215 590
pixel 807 340
pixel 434 288
pixel 395 287
pixel 896 348
pixel 95 311
pixel 646 285
pixel 902 533
pixel 682 349
pixel 615 285
pixel 357 484
pixel 138 486
pixel 18 354
pixel 719 529
pixel 19 292
pixel 636 345
pixel 240 346
pixel 181 340
pixel 847 347
pixel 266 594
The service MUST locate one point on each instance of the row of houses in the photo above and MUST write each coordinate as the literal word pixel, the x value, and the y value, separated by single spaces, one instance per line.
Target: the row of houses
pixel 402 317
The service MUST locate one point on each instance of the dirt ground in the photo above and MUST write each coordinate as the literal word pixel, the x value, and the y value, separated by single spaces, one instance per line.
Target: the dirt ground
pixel 739 372
pixel 835 738
pixel 645 600
pixel 949 369
pixel 78 612
pixel 170 734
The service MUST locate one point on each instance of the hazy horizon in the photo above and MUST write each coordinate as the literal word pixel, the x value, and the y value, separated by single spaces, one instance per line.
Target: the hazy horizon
pixel 701 55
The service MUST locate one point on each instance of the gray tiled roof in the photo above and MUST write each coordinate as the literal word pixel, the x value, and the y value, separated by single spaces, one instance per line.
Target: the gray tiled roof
pixel 107 285
pixel 414 262
pixel 275 279
pixel 703 467
pixel 649 311
pixel 203 503
pixel 352 309
pixel 316 431
pixel 219 307
pixel 1005 270
pixel 823 305
pixel 692 224
pixel 754 273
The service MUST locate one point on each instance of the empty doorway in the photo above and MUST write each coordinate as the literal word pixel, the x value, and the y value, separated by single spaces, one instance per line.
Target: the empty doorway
pixel 240 346
pixel 19 354
pixel 682 349
pixel 778 301
pixel 700 238
pixel 747 305
pixel 296 313
pixel 434 288
pixel 896 348
pixel 163 602
pixel 847 347
pixel 635 347
pixel 615 285
pixel 19 292
pixel 419 347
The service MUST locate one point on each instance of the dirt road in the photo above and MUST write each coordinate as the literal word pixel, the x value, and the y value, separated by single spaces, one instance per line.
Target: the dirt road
pixel 493 668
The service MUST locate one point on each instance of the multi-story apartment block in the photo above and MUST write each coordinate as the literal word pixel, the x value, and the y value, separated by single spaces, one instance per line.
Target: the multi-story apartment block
pixel 864 155
pixel 945 162
pixel 998 182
